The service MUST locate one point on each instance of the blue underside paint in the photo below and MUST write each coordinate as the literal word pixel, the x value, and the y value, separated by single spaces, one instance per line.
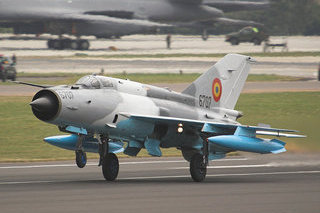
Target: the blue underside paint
pixel 152 146
pixel 89 144
pixel 77 130
pixel 249 144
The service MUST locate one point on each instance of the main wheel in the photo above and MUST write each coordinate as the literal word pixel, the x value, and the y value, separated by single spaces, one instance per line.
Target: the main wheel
pixel 256 41
pixel 81 158
pixel 84 45
pixel 50 43
pixel 198 169
pixel 74 45
pixel 110 167
pixel 57 44
pixel 234 41
pixel 4 76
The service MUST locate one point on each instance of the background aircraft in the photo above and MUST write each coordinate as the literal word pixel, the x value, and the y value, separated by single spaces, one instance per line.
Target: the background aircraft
pixel 101 113
pixel 106 18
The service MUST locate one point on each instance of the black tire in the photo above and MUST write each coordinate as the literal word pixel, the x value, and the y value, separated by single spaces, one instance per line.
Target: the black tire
pixel 110 167
pixel 50 44
pixel 65 43
pixel 57 44
pixel 198 169
pixel 81 158
pixel 234 41
pixel 84 45
pixel 256 41
pixel 4 76
pixel 74 45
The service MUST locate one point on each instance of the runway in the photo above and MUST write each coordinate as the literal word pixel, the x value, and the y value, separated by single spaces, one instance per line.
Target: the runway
pixel 247 183
pixel 289 66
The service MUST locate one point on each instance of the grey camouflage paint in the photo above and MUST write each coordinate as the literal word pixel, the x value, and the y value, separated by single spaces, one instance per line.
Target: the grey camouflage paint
pixel 97 104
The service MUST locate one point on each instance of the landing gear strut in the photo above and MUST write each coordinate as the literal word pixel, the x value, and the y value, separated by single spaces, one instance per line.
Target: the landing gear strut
pixel 199 163
pixel 108 161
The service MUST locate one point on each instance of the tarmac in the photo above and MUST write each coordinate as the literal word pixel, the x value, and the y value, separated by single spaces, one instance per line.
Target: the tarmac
pixel 284 183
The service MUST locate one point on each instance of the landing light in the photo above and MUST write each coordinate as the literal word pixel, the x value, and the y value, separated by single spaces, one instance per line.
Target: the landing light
pixel 180 128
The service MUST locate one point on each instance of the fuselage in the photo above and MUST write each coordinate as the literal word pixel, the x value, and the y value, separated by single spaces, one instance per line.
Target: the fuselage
pixel 97 104
pixel 155 10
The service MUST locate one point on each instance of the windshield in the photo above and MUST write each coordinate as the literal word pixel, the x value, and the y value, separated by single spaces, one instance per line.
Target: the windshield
pixel 89 82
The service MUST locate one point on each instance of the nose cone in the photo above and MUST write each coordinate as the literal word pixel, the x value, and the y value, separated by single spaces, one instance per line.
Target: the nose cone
pixel 45 105
pixel 42 104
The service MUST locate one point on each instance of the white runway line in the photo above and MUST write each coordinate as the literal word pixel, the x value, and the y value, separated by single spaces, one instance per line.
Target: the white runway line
pixel 224 175
pixel 121 163
pixel 164 177
pixel 232 167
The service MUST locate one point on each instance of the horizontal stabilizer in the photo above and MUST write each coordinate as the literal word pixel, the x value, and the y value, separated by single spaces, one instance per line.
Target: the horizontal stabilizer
pixel 232 6
pixel 238 22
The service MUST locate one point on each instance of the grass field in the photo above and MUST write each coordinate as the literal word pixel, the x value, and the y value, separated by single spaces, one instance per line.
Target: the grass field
pixel 70 78
pixel 21 133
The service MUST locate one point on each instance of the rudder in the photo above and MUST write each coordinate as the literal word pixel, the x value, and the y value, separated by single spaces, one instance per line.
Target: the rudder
pixel 221 85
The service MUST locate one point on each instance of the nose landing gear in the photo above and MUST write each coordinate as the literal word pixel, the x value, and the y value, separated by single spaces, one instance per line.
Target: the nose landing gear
pixel 81 158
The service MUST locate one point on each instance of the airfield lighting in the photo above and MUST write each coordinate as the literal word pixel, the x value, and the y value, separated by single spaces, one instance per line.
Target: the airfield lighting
pixel 180 128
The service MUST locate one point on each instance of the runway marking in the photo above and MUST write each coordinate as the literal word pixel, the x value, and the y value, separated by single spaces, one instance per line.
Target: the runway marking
pixel 164 177
pixel 121 163
pixel 233 166
pixel 224 175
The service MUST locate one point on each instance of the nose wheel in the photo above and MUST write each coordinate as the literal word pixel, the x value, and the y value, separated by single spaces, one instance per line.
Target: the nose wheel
pixel 81 158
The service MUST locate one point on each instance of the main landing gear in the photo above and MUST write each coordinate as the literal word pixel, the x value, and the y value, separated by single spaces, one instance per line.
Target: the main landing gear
pixel 108 161
pixel 199 163
pixel 65 43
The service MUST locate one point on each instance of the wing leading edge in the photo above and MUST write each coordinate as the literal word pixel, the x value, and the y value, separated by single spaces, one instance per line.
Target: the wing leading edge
pixel 226 137
pixel 211 127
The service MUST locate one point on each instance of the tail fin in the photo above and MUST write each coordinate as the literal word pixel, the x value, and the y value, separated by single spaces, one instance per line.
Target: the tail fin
pixel 221 85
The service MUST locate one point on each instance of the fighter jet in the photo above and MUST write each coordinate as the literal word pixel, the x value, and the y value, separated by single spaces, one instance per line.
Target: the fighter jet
pixel 106 18
pixel 101 114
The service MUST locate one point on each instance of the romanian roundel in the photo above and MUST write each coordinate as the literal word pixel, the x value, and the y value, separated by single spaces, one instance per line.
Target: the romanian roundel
pixel 216 89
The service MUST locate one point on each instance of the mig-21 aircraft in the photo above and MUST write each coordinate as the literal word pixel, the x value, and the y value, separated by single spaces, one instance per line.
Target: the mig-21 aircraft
pixel 102 113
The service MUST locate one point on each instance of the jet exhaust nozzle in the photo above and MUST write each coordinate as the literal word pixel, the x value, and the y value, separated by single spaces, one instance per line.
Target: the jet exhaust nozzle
pixel 249 144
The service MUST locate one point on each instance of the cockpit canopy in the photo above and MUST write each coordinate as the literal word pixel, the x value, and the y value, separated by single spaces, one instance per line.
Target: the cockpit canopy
pixel 95 82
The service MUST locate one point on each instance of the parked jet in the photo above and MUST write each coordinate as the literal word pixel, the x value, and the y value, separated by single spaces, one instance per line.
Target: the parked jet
pixel 102 113
pixel 106 18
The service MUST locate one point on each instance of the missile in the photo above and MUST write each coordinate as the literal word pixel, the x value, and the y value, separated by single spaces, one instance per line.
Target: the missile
pixel 89 144
pixel 249 144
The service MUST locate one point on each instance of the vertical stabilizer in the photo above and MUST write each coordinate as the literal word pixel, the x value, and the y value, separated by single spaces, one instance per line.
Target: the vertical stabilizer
pixel 221 85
